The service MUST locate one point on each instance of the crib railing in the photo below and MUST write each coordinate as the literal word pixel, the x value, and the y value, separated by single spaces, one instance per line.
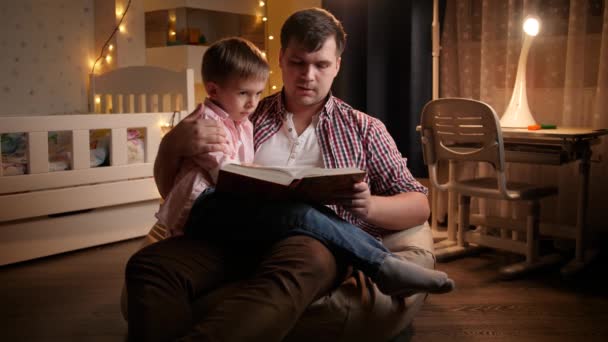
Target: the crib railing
pixel 142 89
pixel 41 192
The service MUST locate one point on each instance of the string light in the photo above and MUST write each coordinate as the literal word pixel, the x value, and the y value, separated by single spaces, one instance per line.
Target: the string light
pixel 97 99
pixel 263 12
pixel 119 27
pixel 108 58
pixel 106 45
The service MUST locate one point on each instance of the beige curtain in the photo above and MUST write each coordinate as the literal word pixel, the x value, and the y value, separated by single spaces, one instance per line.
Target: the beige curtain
pixel 567 84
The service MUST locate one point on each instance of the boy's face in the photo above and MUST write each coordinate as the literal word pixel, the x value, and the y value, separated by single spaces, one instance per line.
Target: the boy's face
pixel 238 97
pixel 308 76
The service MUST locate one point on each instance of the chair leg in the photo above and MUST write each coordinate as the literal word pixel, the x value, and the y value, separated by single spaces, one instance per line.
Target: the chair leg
pixel 533 260
pixel 464 206
pixel 462 247
pixel 532 228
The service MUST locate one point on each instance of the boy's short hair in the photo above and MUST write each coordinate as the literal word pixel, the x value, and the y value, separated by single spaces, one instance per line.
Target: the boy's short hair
pixel 233 57
pixel 311 28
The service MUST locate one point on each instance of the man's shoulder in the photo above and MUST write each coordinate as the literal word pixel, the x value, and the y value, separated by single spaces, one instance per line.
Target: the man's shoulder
pixel 346 112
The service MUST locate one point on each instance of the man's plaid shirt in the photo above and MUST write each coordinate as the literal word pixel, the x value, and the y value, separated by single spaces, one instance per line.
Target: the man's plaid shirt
pixel 348 138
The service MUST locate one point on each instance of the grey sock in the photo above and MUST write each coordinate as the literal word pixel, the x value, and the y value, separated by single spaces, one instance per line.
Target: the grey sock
pixel 398 277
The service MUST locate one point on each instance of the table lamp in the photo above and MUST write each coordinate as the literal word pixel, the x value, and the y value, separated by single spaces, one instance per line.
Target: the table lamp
pixel 518 114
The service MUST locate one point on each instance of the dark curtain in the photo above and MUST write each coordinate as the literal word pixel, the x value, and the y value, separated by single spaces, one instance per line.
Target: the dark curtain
pixel 387 66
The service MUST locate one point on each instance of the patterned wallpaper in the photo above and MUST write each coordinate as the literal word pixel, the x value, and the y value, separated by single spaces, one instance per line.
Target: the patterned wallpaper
pixel 46 47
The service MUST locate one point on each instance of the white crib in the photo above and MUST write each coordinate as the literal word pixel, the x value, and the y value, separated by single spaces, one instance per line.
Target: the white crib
pixel 44 212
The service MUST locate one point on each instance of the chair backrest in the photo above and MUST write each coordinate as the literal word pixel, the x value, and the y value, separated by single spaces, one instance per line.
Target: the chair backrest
pixel 461 130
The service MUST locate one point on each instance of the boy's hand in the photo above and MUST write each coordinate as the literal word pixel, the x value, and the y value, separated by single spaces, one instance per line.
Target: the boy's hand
pixel 194 135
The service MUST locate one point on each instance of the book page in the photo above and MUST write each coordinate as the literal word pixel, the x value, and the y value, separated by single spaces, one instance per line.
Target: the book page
pixel 317 172
pixel 285 175
pixel 274 175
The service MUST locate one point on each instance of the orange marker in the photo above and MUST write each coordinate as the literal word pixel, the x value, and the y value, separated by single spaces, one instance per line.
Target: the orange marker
pixel 533 127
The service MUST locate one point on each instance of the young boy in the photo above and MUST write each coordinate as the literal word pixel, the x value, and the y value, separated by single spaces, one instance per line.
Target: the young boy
pixel 234 74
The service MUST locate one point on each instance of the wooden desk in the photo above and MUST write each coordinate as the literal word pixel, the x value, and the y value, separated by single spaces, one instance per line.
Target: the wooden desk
pixel 549 146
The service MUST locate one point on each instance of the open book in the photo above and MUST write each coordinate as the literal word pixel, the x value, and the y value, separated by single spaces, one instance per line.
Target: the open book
pixel 315 184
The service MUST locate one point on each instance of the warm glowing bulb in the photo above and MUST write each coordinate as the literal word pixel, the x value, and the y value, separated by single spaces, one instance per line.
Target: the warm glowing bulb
pixel 91 62
pixel 262 3
pixel 172 33
pixel 108 58
pixel 110 47
pixel 164 127
pixel 97 99
pixel 264 19
pixel 270 72
pixel 532 26
pixel 264 53
pixel 172 18
pixel 270 37
pixel 122 28
pixel 274 87
pixel 118 12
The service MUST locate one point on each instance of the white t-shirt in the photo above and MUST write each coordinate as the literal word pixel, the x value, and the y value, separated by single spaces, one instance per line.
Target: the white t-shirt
pixel 287 149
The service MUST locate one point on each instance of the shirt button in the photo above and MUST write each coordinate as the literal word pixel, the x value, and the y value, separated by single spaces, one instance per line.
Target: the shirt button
pixel 290 129
pixel 297 143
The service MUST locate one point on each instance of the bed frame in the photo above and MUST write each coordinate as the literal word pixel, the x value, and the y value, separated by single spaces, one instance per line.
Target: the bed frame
pixel 44 213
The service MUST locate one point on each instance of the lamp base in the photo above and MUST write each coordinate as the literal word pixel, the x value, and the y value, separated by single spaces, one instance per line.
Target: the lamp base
pixel 517 120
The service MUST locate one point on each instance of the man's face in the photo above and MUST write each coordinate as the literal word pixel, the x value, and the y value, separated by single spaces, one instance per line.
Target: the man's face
pixel 308 76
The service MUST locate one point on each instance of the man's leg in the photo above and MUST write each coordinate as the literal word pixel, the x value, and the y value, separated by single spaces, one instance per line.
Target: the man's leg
pixel 264 307
pixel 162 281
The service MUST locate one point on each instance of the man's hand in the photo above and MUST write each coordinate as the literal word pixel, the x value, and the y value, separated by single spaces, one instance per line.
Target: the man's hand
pixel 357 200
pixel 194 135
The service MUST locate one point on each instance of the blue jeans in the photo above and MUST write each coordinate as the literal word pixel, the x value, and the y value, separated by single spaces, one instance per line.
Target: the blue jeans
pixel 223 217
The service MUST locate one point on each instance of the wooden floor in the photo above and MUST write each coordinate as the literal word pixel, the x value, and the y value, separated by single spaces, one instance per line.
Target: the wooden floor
pixel 74 297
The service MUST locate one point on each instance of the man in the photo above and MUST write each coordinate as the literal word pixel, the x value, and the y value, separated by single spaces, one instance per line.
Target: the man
pixel 301 126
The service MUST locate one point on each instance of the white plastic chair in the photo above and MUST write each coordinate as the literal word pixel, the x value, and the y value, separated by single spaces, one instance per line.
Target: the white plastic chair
pixel 464 130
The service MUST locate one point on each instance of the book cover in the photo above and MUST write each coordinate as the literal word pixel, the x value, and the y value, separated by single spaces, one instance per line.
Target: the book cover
pixel 310 184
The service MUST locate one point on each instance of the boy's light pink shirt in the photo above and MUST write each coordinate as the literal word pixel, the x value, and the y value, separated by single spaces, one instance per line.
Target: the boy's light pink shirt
pixel 200 172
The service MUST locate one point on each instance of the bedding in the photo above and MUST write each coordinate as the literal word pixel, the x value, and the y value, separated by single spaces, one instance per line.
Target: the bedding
pixel 14 150
pixel 135 145
pixel 14 153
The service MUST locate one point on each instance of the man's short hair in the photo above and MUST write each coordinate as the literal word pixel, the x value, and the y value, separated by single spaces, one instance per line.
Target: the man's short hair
pixel 233 57
pixel 311 28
